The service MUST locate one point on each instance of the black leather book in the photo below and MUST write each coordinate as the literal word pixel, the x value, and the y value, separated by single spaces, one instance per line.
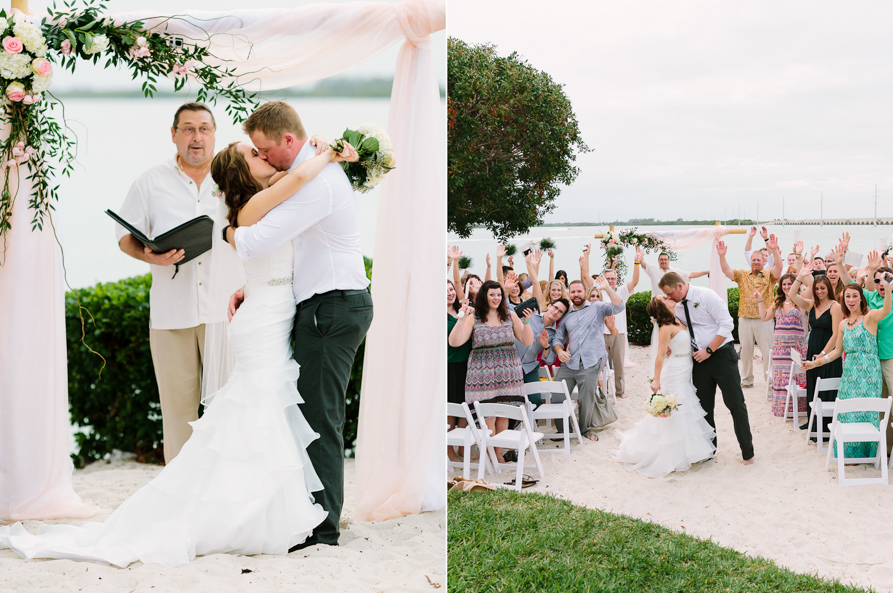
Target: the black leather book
pixel 193 236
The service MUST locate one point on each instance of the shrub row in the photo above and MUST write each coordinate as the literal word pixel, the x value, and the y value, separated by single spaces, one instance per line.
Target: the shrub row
pixel 115 402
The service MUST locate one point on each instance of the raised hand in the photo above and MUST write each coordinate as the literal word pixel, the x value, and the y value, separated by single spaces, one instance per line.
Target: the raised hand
pixel 752 232
pixel 510 280
pixel 511 261
pixel 550 252
pixel 534 257
pixel 814 251
pixel 488 260
pixel 838 254
pixel 874 260
pixel 500 251
pixel 639 256
pixel 602 283
pixel 798 247
pixel 544 339
pixel 464 309
pixel 581 262
pixel 722 248
pixel 454 253
pixel 805 271
pixel 772 242
pixel 845 241
pixel 764 233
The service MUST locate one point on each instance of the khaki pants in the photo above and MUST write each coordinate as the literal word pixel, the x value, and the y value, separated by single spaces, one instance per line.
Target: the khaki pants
pixel 750 330
pixel 887 391
pixel 615 347
pixel 177 355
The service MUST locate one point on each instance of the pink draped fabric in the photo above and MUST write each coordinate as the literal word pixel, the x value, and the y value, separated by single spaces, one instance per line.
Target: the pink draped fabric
pixel 401 442
pixel 35 467
pixel 692 238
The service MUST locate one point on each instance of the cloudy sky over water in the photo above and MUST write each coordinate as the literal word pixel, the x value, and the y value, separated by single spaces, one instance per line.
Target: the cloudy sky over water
pixel 704 109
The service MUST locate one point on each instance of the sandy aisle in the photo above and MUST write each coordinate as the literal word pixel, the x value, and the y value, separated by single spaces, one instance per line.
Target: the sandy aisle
pixel 394 555
pixel 784 507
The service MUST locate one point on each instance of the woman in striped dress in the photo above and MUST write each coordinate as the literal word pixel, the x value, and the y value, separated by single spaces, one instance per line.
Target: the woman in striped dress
pixel 790 334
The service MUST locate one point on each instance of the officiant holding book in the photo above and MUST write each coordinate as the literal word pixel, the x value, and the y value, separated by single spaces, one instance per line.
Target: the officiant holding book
pixel 165 196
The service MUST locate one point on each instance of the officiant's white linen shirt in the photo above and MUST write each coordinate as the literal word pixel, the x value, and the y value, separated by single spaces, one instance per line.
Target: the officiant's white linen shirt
pixel 160 199
pixel 655 273
pixel 323 222
pixel 709 316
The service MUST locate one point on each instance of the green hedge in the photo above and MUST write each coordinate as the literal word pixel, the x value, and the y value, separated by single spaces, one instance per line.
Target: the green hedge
pixel 120 408
pixel 638 323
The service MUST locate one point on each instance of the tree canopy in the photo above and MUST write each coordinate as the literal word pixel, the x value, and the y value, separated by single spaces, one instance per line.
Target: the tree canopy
pixel 513 139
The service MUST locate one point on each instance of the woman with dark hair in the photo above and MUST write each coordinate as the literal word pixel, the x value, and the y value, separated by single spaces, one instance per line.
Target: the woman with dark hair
pixel 862 368
pixel 242 482
pixel 457 362
pixel 790 334
pixel 825 316
pixel 656 446
pixel 561 276
pixel 494 368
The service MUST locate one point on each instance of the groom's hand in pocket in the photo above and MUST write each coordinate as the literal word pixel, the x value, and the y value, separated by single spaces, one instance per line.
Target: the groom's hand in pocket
pixel 235 301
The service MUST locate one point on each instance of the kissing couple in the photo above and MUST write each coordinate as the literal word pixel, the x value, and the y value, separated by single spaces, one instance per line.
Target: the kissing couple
pixel 256 477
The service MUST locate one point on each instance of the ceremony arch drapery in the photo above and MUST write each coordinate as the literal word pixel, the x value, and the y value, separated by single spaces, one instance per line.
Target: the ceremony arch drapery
pixel 403 394
pixel 697 237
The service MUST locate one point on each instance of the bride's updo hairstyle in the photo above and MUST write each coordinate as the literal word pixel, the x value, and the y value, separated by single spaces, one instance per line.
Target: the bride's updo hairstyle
pixel 659 312
pixel 230 172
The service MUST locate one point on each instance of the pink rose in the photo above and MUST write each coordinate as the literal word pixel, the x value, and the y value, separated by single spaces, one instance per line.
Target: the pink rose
pixel 66 47
pixel 15 92
pixel 41 67
pixel 12 45
pixel 141 41
pixel 611 241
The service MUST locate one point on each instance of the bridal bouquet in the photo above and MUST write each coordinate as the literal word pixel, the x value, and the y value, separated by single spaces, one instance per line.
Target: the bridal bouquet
pixel 661 405
pixel 376 156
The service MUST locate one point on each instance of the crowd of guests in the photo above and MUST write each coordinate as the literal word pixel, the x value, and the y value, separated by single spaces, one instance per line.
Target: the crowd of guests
pixel 503 327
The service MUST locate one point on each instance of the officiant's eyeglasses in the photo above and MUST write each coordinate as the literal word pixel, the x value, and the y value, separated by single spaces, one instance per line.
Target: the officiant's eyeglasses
pixel 204 130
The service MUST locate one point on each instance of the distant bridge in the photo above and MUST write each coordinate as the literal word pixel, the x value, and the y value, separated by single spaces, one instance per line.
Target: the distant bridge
pixel 830 221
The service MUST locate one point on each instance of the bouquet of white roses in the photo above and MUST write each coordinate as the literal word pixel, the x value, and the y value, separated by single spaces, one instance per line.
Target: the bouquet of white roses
pixel 376 157
pixel 661 405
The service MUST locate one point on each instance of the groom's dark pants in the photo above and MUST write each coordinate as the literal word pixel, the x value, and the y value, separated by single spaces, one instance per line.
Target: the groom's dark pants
pixel 721 370
pixel 328 330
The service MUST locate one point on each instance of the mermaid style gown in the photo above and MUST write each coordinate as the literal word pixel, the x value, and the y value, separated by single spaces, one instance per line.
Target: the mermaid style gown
pixel 654 446
pixel 242 482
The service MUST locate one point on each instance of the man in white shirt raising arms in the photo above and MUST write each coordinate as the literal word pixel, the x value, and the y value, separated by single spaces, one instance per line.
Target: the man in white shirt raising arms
pixel 173 192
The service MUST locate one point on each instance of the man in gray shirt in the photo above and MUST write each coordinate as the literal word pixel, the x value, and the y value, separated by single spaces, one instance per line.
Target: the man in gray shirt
pixel 583 328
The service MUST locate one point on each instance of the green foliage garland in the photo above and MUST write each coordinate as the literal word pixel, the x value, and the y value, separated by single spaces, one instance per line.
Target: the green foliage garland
pixel 36 139
pixel 613 243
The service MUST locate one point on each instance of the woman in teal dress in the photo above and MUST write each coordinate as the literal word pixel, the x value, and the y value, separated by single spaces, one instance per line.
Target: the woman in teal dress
pixel 861 367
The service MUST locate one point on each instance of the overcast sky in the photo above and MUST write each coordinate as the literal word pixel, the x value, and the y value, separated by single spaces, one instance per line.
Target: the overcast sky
pixel 89 76
pixel 697 107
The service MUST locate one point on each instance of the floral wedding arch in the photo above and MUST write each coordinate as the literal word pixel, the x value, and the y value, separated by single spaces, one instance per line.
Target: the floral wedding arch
pixel 400 465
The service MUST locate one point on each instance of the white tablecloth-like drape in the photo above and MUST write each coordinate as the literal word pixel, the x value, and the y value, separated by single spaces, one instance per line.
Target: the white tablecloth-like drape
pixel 692 238
pixel 35 467
pixel 401 465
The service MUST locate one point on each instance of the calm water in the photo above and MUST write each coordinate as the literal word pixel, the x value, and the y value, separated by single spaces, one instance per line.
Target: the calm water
pixel 120 138
pixel 569 241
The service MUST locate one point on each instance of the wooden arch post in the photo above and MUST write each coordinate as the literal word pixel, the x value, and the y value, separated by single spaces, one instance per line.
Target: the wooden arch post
pixel 20 4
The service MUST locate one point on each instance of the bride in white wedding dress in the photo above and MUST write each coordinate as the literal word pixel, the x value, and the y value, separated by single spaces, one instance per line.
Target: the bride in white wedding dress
pixel 654 447
pixel 242 483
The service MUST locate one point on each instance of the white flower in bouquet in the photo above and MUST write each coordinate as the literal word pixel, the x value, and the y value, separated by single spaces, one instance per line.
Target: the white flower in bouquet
pixel 40 84
pixel 661 405
pixel 99 44
pixel 14 65
pixel 32 37
pixel 376 157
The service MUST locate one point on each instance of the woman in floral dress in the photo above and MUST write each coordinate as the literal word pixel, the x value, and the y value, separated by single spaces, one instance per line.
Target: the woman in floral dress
pixel 494 368
pixel 790 334
pixel 861 367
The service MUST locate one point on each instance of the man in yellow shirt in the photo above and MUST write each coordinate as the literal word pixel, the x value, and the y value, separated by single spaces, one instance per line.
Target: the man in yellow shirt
pixel 750 327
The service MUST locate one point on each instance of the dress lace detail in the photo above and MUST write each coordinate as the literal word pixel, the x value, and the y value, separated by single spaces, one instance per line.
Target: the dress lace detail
pixel 281 281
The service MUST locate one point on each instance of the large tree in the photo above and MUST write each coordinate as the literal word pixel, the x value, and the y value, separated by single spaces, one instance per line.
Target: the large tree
pixel 513 138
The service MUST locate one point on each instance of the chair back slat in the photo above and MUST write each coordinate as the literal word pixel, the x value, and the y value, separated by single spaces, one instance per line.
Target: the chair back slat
pixel 546 387
pixel 863 404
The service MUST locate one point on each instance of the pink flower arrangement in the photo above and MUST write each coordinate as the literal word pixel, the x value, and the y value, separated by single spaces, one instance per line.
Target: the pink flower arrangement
pixel 32 99
pixel 66 47
pixel 20 154
pixel 184 69
pixel 41 67
pixel 15 92
pixel 13 45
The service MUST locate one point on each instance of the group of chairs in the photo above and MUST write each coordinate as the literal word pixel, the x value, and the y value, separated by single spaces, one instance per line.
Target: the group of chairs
pixel 522 438
pixel 841 432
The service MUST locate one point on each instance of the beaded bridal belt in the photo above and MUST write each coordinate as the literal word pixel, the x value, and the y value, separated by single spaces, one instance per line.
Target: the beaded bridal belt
pixel 281 281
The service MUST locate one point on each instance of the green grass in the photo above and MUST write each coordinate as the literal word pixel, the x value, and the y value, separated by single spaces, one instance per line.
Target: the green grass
pixel 511 541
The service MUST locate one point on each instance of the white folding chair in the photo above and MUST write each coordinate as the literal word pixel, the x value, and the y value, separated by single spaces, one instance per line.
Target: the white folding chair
pixel 521 438
pixel 820 411
pixel 546 373
pixel 563 410
pixel 608 378
pixel 860 432
pixel 466 437
pixel 794 392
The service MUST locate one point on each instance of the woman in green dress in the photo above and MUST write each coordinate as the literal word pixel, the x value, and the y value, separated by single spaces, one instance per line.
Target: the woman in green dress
pixel 861 367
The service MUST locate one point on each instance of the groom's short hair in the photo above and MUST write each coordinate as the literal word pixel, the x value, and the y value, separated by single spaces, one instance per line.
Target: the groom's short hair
pixel 670 280
pixel 274 120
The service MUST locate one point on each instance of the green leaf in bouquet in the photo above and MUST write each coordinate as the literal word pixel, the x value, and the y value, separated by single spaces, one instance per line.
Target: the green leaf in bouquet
pixel 370 144
pixel 511 249
pixel 464 262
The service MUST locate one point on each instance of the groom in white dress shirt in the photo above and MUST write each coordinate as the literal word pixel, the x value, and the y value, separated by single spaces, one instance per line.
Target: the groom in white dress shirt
pixel 710 326
pixel 334 307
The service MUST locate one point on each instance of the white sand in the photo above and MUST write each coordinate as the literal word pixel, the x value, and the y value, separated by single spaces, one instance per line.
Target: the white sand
pixel 784 507
pixel 397 555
